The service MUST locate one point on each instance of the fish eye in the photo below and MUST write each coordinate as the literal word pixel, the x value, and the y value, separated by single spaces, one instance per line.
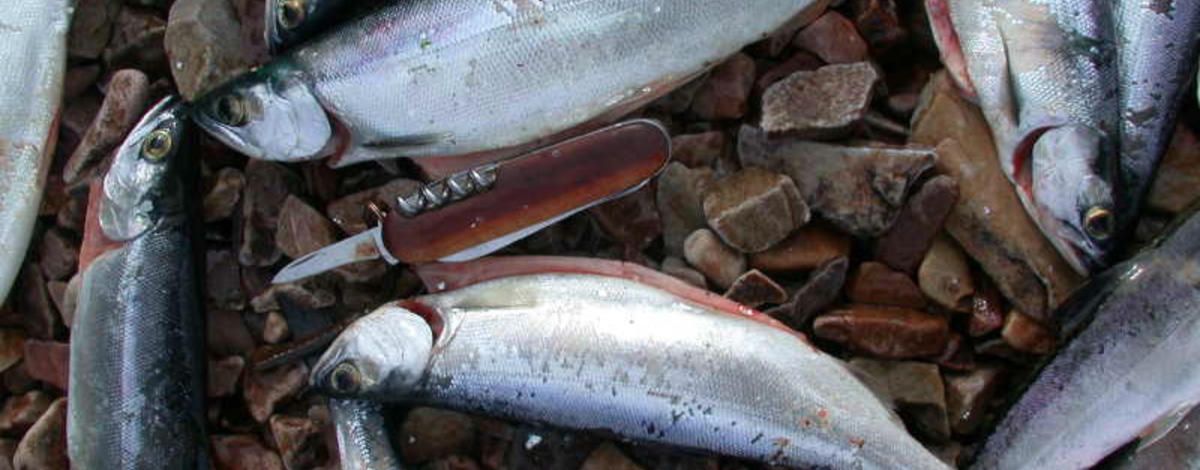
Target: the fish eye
pixel 1098 223
pixel 157 145
pixel 345 378
pixel 231 109
pixel 291 14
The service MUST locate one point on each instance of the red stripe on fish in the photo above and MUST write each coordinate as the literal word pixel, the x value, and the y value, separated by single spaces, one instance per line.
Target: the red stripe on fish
pixel 95 243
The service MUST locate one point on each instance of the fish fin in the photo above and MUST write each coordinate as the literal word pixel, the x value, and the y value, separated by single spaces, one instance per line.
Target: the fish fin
pixel 1163 425
pixel 949 45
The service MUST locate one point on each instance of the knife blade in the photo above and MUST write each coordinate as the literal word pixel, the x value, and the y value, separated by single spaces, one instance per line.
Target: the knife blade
pixel 476 212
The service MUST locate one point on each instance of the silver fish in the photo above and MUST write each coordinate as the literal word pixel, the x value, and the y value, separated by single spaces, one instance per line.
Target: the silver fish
pixel 1131 367
pixel 1044 73
pixel 33 59
pixel 290 22
pixel 590 352
pixel 363 442
pixel 137 346
pixel 427 78
pixel 1178 450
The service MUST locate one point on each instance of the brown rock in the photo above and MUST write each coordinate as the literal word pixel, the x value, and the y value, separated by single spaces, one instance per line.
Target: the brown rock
pixel 17 380
pixel 719 263
pixel 1177 181
pixel 986 312
pixel 699 150
pixel 878 23
pixel 127 98
pixel 679 268
pixel 988 221
pixel 137 42
pixel 631 220
pixel 904 245
pixel 885 332
pixel 223 280
pixel 826 103
pixel 59 297
pixel 805 249
pixel 224 195
pixel 243 452
pixel 44 447
pixel 91 26
pixel 754 209
pixel 22 411
pixel 833 38
pixel 223 376
pixel 875 283
pixel 298 440
pixel 302 229
pixel 801 61
pixel 264 390
pixel 37 315
pixel 79 79
pixel 755 289
pixel 47 361
pixel 916 388
pixel 1026 334
pixel 778 41
pixel 967 397
pixel 12 347
pixel 306 295
pixel 204 46
pixel 58 255
pixel 363 271
pixel 71 215
pixel 268 185
pixel 678 101
pixel 724 94
pixel 679 199
pixel 958 354
pixel 430 433
pixel 251 15
pixel 945 276
pixel 347 211
pixel 275 330
pixel 903 104
pixel 819 292
pixel 608 457
pixel 227 333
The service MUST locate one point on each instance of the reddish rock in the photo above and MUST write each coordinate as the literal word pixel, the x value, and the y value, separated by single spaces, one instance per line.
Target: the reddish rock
pixel 987 314
pixel 886 332
pixel 916 388
pixel 608 457
pixel 17 380
pixel 1025 334
pixel 225 191
pixel 958 354
pixel 430 433
pixel 679 199
pixel 754 209
pixel 967 397
pixel 227 333
pixel 275 330
pixel 223 280
pixel 819 292
pixel 79 79
pixel 678 268
pixel 44 447
pixel 47 361
pixel 347 212
pixel 363 271
pixel 807 248
pixel 904 245
pixel 1177 181
pixel 755 289
pixel 58 255
pixel 204 45
pixel 243 452
pixel 268 185
pixel 724 94
pixel 224 375
pixel 302 229
pixel 833 38
pixel 298 440
pixel 678 101
pixel 720 264
pixel 631 220
pixel 91 27
pixel 827 103
pixel 307 295
pixel 945 276
pixel 875 283
pixel 878 23
pixel 137 42
pixel 128 95
pixel 22 411
pixel 264 390
pixel 37 315
pixel 254 39
pixel 71 215
pixel 778 41
pixel 699 150
pixel 801 61
pixel 12 347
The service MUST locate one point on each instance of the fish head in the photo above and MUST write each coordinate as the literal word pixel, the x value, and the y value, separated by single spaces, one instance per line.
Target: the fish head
pixel 270 113
pixel 142 188
pixel 383 353
pixel 1074 204
pixel 290 22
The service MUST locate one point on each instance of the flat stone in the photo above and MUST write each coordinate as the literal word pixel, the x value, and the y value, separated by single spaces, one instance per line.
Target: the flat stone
pixel 302 229
pixel 945 277
pixel 347 211
pixel 679 199
pixel 224 375
pixel 58 255
pixel 884 332
pixel 699 150
pixel 754 209
pixel 268 185
pixel 227 333
pixel 967 397
pixel 805 249
pixel 822 288
pixel 631 220
pixel 725 93
pixel 224 194
pixel 800 61
pixel 265 390
pixel 904 245
pixel 1026 334
pixel 204 45
pixel 1177 181
pixel 48 361
pixel 37 314
pixel 878 23
pixel 137 42
pixel 91 26
pixel 608 457
pixel 678 268
pixel 987 314
pixel 298 440
pixel 708 254
pixel 127 98
pixel 988 221
pixel 833 38
pixel 875 283
pixel 754 289
pixel 243 452
pixel 827 103
pixel 305 295
pixel 223 280
pixel 431 433
pixel 916 388
pixel 12 347
pixel 20 412
pixel 44 447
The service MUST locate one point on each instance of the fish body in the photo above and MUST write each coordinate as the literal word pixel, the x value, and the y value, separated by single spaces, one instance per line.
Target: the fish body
pixel 363 441
pixel 33 59
pixel 137 360
pixel 435 78
pixel 610 354
pixel 1178 450
pixel 1130 367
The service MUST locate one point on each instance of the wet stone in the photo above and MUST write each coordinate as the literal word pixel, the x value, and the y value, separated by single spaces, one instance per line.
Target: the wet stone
pixel 1177 180
pixel 884 332
pixel 138 42
pixel 275 330
pixel 631 220
pixel 708 254
pixel 833 38
pixel 945 277
pixel 268 185
pixel 79 79
pixel 302 229
pixel 678 268
pixel 306 295
pixel 227 333
pixel 875 283
pixel 827 103
pixel 958 354
pixel 608 457
pixel 967 397
pixel 224 194
pixel 1026 334
pixel 754 289
pixel 725 93
pixel 699 150
pixel 430 433
pixel 904 245
pixel 298 440
pixel 58 255
pixel 91 26
pixel 223 280
pixel 126 99
pixel 347 212
pixel 37 315
pixel 204 46
pixel 679 199
pixel 801 61
pixel 264 390
pixel 917 389
pixel 987 315
pixel 12 347
pixel 243 452
pixel 20 412
pixel 822 288
pixel 224 375
pixel 807 248
pixel 44 447
pixel 48 362
pixel 754 209
pixel 878 23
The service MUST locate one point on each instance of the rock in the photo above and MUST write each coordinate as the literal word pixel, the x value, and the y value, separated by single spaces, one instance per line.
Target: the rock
pixel 453 462
pixel 268 185
pixel 264 390
pixel 224 194
pixel 64 303
pixel 631 220
pixel 1177 181
pixel 904 245
pixel 306 295
pixel 71 215
pixel 223 376
pixel 916 388
pixel 958 355
pixel 347 211
pixel 227 334
pixel 988 221
pixel 678 101
pixel 243 452
pixel 37 315
pixel 78 80
pixel 878 23
pixel 967 397
pixel 754 209
pixel 58 255
pixel 950 453
pixel 719 263
pixel 800 61
pixel 608 457
pixel 903 104
pixel 818 293
pixel 127 99
pixel 251 15
pixel 724 94
pixel 885 332
pixel 875 283
pixel 945 277
pixel 223 280
pixel 807 248
pixel 430 433
pixel 22 411
pixel 17 380
pixel 861 190
pixel 48 362
pixel 679 268
pixel 778 41
pixel 754 289
pixel 699 150
pixel 298 440
pixel 275 330
pixel 1026 334
pixel 986 313
pixel 91 26
pixel 8 447
pixel 302 230
pixel 833 38
pixel 827 103
pixel 44 447
pixel 12 347
pixel 204 46
pixel 137 42
pixel 679 199
pixel 363 271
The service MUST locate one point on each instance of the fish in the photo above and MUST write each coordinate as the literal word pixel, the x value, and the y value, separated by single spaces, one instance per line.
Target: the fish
pixel 1177 450
pixel 33 61
pixel 363 442
pixel 1128 370
pixel 137 359
pixel 1045 75
pixel 427 78
pixel 291 22
pixel 639 356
